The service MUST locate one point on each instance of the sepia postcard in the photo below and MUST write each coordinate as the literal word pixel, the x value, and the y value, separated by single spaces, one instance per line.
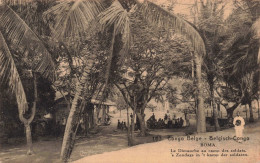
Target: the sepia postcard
pixel 129 81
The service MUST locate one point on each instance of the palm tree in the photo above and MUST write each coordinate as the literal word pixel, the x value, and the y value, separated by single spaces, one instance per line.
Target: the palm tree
pixel 241 51
pixel 256 29
pixel 72 22
pixel 210 21
pixel 15 35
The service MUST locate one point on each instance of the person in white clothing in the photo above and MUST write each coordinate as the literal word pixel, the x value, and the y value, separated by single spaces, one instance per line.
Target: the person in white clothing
pixel 239 124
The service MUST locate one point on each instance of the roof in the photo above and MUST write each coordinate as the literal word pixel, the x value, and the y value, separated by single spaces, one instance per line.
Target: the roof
pixel 93 101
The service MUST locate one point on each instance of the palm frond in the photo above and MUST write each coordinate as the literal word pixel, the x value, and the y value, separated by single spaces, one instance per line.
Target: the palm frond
pixel 72 17
pixel 117 17
pixel 157 16
pixel 17 32
pixel 16 2
pixel 256 29
pixel 9 75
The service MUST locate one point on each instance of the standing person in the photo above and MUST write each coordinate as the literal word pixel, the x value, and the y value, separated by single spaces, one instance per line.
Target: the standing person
pixel 181 122
pixel 168 119
pixel 165 117
pixel 118 125
pixel 165 120
pixel 239 124
pixel 186 121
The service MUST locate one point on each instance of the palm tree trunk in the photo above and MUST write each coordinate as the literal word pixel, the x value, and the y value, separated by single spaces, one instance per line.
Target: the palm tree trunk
pixel 3 136
pixel 27 122
pixel 201 119
pixel 67 144
pixel 29 138
pixel 215 110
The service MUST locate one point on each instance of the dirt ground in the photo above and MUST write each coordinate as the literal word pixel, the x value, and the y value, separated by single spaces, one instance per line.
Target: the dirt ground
pixel 190 151
pixel 47 149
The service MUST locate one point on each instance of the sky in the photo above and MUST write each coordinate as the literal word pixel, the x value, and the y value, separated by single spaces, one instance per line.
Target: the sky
pixel 184 6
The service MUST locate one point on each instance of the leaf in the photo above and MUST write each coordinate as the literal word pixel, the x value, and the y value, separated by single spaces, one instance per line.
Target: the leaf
pixel 118 17
pixel 9 75
pixel 73 17
pixel 17 32
pixel 159 17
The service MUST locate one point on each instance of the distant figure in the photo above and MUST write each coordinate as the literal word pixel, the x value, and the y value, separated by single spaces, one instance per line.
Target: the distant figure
pixel 239 124
pixel 165 117
pixel 153 117
pixel 181 122
pixel 122 125
pixel 118 125
pixel 174 117
pixel 168 115
pixel 178 122
pixel 131 118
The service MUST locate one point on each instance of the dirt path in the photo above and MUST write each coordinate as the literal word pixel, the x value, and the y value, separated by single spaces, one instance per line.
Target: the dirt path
pixel 47 150
pixel 166 151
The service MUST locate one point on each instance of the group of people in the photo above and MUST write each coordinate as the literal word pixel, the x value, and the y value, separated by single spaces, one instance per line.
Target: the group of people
pixel 121 125
pixel 152 123
pixel 167 122
pixel 174 122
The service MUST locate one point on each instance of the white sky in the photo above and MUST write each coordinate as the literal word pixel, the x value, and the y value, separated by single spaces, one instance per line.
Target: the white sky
pixel 183 6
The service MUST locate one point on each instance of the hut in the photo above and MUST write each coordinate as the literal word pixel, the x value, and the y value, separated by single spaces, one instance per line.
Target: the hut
pixel 95 112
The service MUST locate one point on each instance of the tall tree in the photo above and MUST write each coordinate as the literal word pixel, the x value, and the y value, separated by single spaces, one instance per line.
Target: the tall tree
pixel 241 51
pixel 210 22
pixel 154 59
pixel 120 13
pixel 17 38
pixel 73 18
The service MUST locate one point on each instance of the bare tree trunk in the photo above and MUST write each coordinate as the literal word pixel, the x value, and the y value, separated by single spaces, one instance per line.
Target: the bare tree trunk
pixel 230 112
pixel 258 108
pixel 132 128
pixel 246 112
pixel 142 124
pixel 128 128
pixel 133 122
pixel 67 144
pixel 201 119
pixel 251 118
